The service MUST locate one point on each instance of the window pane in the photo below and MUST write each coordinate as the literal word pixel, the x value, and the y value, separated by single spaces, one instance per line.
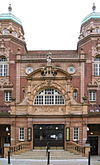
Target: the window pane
pixel 3 66
pixel 76 134
pixel 97 66
pixel 21 134
pixel 49 97
pixel 8 96
pixel 92 95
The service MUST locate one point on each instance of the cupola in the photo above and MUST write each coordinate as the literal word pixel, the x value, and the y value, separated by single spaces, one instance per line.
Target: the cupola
pixel 93 15
pixel 90 24
pixel 11 25
pixel 9 16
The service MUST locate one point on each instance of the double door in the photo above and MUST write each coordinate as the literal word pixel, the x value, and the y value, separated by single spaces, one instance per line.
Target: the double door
pixel 51 134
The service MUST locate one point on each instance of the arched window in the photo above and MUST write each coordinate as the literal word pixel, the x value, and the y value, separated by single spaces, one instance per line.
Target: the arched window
pixel 98 30
pixel 97 66
pixel 3 66
pixel 14 33
pixel 75 93
pixel 5 32
pixel 49 97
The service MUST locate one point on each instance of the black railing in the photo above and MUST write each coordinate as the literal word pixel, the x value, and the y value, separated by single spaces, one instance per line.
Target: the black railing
pixel 89 156
pixel 8 157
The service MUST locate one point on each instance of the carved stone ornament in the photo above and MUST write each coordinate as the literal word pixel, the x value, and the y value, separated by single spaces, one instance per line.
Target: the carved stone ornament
pixel 96 49
pixel 98 45
pixel 49 58
pixel 10 28
pixel 48 71
pixel 4 82
pixel 3 50
pixel 92 84
pixel 2 46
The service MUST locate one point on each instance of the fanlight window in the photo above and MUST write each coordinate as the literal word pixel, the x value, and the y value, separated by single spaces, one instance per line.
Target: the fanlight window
pixel 49 97
pixel 3 66
pixel 98 30
pixel 14 33
pixel 97 66
pixel 6 31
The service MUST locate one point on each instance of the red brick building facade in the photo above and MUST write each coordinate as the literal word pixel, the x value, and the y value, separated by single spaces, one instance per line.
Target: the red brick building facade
pixel 49 96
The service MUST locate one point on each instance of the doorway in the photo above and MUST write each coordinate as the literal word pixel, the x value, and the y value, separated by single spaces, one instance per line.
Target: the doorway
pixel 51 134
pixel 93 134
pixel 4 137
pixel 93 141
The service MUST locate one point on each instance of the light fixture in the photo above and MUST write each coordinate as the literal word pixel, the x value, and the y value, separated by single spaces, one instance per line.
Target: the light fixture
pixel 40 127
pixel 56 128
pixel 91 133
pixel 87 128
pixel 7 129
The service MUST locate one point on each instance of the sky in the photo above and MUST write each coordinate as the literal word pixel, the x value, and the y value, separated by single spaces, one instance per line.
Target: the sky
pixel 50 24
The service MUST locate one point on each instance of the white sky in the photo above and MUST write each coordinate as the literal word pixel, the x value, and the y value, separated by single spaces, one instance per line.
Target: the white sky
pixel 50 24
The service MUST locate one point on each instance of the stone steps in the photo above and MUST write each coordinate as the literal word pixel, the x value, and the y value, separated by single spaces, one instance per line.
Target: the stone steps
pixel 41 154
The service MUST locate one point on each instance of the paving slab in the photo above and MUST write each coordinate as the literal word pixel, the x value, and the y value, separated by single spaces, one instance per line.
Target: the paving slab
pixel 94 161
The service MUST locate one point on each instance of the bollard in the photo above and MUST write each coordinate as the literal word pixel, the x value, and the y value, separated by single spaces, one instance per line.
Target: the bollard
pixel 48 161
pixel 8 157
pixel 89 159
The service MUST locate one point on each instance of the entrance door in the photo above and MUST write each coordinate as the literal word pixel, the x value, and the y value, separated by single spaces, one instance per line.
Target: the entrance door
pixel 1 146
pixel 4 137
pixel 51 134
pixel 93 140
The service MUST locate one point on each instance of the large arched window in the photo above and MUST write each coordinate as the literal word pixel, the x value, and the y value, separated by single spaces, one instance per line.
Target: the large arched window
pixel 3 66
pixel 97 66
pixel 49 97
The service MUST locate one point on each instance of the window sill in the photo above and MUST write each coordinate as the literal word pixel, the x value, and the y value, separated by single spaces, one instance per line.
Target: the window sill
pixel 8 101
pixel 22 140
pixel 90 101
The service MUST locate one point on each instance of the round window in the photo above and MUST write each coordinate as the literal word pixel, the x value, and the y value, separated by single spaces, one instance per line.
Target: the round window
pixel 29 70
pixel 71 69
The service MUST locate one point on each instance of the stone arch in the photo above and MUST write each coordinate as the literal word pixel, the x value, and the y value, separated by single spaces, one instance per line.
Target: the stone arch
pixel 33 90
pixel 61 82
pixel 55 86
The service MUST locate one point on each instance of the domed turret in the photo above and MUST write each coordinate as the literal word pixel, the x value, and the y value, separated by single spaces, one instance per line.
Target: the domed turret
pixel 11 30
pixel 93 15
pixel 11 25
pixel 11 17
pixel 90 24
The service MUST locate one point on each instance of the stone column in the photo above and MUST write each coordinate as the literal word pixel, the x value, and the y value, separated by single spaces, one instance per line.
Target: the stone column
pixel 18 80
pixel 13 133
pixel 30 125
pixel 84 134
pixel 82 80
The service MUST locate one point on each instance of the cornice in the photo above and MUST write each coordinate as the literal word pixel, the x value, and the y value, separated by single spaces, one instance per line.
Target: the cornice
pixel 12 38
pixel 53 60
pixel 87 38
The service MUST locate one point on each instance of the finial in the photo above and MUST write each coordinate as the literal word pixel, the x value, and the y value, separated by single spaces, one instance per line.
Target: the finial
pixel 49 58
pixel 93 7
pixel 9 8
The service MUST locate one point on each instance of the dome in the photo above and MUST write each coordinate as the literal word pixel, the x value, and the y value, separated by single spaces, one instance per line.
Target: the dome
pixel 10 16
pixel 92 15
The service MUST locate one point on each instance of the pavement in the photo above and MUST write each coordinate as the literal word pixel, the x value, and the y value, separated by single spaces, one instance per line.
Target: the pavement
pixel 95 160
